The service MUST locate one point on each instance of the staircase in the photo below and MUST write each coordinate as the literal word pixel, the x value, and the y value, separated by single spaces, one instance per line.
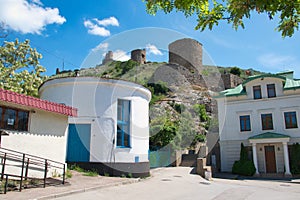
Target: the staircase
pixel 189 160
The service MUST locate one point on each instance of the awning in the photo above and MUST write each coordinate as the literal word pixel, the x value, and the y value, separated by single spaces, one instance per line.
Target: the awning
pixel 269 137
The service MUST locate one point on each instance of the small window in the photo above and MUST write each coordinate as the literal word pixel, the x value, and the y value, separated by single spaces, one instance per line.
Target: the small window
pixel 123 124
pixel 13 119
pixel 257 92
pixel 267 122
pixel 271 90
pixel 290 120
pixel 245 123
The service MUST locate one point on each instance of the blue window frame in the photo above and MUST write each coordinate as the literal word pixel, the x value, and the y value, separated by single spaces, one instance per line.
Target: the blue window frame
pixel 267 122
pixel 245 124
pixel 123 124
pixel 290 120
pixel 257 92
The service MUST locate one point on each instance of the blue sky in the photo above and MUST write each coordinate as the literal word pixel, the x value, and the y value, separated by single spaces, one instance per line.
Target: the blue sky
pixel 78 33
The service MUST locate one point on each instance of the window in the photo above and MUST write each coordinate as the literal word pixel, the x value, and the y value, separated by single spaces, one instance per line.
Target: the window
pixel 267 122
pixel 13 119
pixel 271 90
pixel 245 123
pixel 123 125
pixel 290 120
pixel 257 92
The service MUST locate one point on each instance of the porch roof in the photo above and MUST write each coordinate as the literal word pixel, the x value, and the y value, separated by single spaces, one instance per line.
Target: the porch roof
pixel 268 135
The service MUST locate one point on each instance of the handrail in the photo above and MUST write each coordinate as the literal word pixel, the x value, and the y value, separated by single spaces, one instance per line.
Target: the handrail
pixel 27 162
pixel 30 155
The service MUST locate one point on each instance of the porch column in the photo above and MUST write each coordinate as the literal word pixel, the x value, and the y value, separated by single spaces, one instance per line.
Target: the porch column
pixel 255 157
pixel 286 159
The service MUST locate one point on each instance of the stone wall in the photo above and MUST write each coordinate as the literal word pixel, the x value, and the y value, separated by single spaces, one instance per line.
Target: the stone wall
pixel 108 57
pixel 186 52
pixel 231 80
pixel 139 55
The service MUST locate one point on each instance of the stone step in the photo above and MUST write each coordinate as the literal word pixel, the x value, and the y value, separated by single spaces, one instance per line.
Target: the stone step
pixel 189 160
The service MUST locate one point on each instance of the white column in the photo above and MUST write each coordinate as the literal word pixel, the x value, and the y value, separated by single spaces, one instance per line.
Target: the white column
pixel 286 158
pixel 255 157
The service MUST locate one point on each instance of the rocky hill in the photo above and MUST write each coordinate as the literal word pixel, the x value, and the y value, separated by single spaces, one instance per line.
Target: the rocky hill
pixel 181 97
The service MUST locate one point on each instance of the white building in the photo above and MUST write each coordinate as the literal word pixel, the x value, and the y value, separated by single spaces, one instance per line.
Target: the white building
pixel 263 114
pixel 111 132
pixel 31 126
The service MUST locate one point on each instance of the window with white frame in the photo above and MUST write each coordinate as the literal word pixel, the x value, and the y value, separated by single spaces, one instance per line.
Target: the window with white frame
pixel 271 90
pixel 245 124
pixel 290 119
pixel 123 124
pixel 267 121
pixel 257 92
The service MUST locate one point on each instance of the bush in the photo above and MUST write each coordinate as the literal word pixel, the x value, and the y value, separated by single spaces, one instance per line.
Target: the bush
pixel 244 166
pixel 235 71
pixel 201 111
pixel 295 159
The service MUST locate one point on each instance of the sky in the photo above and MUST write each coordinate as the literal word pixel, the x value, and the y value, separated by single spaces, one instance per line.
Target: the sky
pixel 77 34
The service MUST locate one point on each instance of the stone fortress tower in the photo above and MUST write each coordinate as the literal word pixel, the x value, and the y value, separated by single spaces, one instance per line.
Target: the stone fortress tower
pixel 139 55
pixel 186 52
pixel 108 57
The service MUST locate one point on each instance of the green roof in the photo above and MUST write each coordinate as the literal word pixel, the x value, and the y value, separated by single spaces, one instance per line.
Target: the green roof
pixel 291 84
pixel 239 90
pixel 251 78
pixel 268 135
pixel 287 77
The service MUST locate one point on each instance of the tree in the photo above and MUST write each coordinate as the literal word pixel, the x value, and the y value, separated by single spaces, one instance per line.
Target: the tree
pixel 20 69
pixel 210 13
pixel 236 71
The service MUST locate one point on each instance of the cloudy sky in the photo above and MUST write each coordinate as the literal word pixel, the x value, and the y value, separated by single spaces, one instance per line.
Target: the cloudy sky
pixel 76 34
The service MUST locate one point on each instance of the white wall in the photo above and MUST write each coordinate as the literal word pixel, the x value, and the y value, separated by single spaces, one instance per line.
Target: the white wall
pixel 233 107
pixel 96 100
pixel 46 138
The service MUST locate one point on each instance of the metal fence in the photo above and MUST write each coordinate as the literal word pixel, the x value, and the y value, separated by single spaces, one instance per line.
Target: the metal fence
pixel 160 157
pixel 20 166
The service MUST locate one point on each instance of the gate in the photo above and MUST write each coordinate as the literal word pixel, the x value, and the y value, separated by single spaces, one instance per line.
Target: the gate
pixel 160 157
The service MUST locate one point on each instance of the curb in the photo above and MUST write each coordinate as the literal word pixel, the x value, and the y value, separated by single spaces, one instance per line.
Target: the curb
pixel 87 189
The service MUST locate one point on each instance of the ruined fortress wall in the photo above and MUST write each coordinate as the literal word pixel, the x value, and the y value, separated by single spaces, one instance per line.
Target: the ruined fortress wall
pixel 186 52
pixel 139 55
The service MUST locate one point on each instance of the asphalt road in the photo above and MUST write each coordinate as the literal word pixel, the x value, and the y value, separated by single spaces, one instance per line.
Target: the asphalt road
pixel 179 184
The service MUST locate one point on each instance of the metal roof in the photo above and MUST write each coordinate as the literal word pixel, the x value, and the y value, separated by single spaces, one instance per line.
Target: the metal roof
pixel 20 99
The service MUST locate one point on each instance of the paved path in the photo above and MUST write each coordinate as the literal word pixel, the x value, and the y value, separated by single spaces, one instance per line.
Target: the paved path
pixel 77 184
pixel 179 184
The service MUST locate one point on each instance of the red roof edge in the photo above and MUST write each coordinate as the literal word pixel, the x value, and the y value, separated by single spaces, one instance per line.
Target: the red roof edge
pixel 21 99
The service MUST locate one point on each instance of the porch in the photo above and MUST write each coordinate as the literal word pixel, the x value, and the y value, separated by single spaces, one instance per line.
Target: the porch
pixel 270 154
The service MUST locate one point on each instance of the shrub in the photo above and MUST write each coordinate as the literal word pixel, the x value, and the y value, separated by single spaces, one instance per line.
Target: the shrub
pixel 235 71
pixel 295 159
pixel 201 111
pixel 244 166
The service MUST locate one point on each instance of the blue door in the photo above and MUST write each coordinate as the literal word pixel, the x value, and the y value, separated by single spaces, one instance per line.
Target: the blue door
pixel 79 143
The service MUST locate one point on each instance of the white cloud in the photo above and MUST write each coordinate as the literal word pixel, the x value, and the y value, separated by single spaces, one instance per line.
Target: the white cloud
pixel 120 55
pixel 94 29
pixel 153 49
pixel 112 21
pixel 96 26
pixel 28 16
pixel 101 47
pixel 276 62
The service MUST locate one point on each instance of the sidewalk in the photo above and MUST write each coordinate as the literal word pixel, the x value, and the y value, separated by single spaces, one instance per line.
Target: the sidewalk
pixel 77 184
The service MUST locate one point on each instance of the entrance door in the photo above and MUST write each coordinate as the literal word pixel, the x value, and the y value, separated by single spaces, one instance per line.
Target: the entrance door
pixel 270 159
pixel 79 143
